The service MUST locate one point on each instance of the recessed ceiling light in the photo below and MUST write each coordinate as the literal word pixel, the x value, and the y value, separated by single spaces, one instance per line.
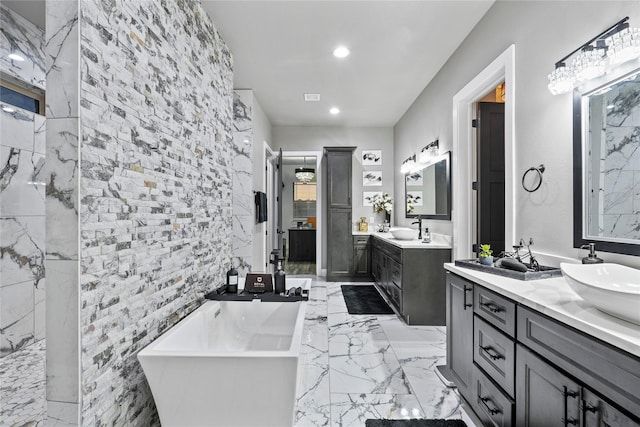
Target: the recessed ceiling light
pixel 334 110
pixel 16 57
pixel 312 97
pixel 341 52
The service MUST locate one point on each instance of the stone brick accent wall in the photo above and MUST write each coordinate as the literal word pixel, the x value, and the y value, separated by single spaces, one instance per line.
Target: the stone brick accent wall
pixel 156 159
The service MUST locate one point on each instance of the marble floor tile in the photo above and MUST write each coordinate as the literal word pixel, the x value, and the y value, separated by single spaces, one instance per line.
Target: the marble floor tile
pixel 22 387
pixel 356 367
pixel 354 409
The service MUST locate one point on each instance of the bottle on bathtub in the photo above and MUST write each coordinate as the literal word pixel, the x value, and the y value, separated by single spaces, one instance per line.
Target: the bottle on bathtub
pixel 279 279
pixel 232 280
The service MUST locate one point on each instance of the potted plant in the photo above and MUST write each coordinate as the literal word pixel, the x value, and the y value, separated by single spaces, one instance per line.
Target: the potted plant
pixel 384 204
pixel 486 257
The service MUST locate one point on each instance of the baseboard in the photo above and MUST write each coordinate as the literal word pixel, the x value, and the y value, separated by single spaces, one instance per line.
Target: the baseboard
pixel 443 373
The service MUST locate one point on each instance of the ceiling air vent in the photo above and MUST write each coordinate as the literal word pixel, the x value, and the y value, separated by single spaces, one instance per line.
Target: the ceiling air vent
pixel 311 97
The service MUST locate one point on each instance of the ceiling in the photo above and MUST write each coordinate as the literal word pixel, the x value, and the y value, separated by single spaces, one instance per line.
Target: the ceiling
pixel 283 49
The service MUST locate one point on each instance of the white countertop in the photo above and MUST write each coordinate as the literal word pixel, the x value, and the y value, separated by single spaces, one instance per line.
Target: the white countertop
pixel 438 241
pixel 555 298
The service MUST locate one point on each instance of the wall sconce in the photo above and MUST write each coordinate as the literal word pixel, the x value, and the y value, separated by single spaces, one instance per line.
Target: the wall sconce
pixel 430 150
pixel 615 45
pixel 408 164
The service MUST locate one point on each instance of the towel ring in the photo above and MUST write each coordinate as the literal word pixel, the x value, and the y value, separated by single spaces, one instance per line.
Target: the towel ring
pixel 539 170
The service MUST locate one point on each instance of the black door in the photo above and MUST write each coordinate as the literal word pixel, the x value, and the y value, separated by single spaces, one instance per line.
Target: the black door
pixel 490 130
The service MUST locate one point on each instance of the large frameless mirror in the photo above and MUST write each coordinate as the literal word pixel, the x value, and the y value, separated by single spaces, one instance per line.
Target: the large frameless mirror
pixel 428 190
pixel 606 155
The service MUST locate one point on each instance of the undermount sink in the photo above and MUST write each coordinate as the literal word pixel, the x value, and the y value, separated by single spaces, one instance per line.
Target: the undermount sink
pixel 612 288
pixel 404 233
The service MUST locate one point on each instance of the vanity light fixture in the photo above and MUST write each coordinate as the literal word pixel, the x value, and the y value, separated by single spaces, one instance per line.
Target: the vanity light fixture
pixel 408 165
pixel 615 45
pixel 15 57
pixel 305 174
pixel 430 150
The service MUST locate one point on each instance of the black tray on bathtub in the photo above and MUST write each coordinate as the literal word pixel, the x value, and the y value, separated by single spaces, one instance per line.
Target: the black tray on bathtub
pixel 544 273
pixel 266 297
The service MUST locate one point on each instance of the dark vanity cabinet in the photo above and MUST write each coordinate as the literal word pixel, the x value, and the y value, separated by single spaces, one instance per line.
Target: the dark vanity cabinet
pixel 413 280
pixel 518 367
pixel 361 256
pixel 339 226
pixel 459 323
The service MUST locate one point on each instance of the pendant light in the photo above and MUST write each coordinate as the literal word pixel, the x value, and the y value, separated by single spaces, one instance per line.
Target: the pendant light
pixel 305 174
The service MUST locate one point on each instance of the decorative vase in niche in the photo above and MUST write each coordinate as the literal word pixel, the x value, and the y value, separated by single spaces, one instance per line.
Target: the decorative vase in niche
pixel 486 260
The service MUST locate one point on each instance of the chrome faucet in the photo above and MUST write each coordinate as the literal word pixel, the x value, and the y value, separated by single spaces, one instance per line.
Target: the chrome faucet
pixel 419 222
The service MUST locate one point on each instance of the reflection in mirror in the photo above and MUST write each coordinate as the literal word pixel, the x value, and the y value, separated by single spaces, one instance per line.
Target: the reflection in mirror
pixel 428 190
pixel 607 165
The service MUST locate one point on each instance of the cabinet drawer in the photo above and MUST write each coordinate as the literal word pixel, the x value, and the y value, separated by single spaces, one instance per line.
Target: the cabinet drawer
pixel 495 309
pixel 395 273
pixel 489 402
pixel 360 240
pixel 495 353
pixel 597 412
pixel 394 252
pixel 613 372
pixel 395 294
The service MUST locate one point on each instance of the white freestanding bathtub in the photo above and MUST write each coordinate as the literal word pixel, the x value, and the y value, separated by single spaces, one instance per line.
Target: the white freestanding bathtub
pixel 229 363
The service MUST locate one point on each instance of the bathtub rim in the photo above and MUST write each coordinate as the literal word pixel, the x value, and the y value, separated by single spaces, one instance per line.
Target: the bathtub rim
pixel 293 350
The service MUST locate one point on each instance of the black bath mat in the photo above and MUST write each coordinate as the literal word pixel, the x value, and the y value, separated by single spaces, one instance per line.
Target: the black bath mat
pixel 364 299
pixel 415 423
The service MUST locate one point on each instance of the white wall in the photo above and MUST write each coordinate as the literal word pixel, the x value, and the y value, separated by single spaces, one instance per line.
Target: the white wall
pixel 543 32
pixel 315 138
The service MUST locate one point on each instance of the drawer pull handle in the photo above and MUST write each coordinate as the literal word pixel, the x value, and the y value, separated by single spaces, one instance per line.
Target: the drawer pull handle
pixel 491 411
pixel 492 307
pixel 493 355
pixel 571 421
pixel 464 303
pixel 590 408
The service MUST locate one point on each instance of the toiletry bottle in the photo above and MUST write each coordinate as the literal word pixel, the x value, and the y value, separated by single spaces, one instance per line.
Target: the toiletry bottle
pixel 232 280
pixel 592 258
pixel 426 238
pixel 279 275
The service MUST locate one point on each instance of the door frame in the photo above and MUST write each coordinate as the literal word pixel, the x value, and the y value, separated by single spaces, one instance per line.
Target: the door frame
pixel 319 207
pixel 501 69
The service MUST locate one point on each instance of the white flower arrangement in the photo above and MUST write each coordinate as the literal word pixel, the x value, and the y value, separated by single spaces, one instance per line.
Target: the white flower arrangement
pixel 384 203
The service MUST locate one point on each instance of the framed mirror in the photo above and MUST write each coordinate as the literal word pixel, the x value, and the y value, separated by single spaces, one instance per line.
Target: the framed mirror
pixel 606 162
pixel 428 190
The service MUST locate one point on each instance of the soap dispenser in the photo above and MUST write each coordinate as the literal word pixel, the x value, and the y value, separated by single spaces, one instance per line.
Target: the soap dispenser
pixel 592 258
pixel 279 278
pixel 426 237
pixel 232 280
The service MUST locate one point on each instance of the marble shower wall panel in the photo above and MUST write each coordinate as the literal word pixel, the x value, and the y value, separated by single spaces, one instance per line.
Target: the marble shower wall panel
pixel 21 37
pixel 243 199
pixel 62 189
pixel 621 166
pixel 156 212
pixel 62 64
pixel 22 239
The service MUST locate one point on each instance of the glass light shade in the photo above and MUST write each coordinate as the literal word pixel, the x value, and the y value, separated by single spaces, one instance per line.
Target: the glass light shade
pixel 427 153
pixel 408 165
pixel 589 64
pixel 304 174
pixel 561 80
pixel 623 46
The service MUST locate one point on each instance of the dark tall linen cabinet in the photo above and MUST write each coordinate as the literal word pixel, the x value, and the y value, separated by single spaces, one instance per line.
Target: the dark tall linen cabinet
pixel 339 224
